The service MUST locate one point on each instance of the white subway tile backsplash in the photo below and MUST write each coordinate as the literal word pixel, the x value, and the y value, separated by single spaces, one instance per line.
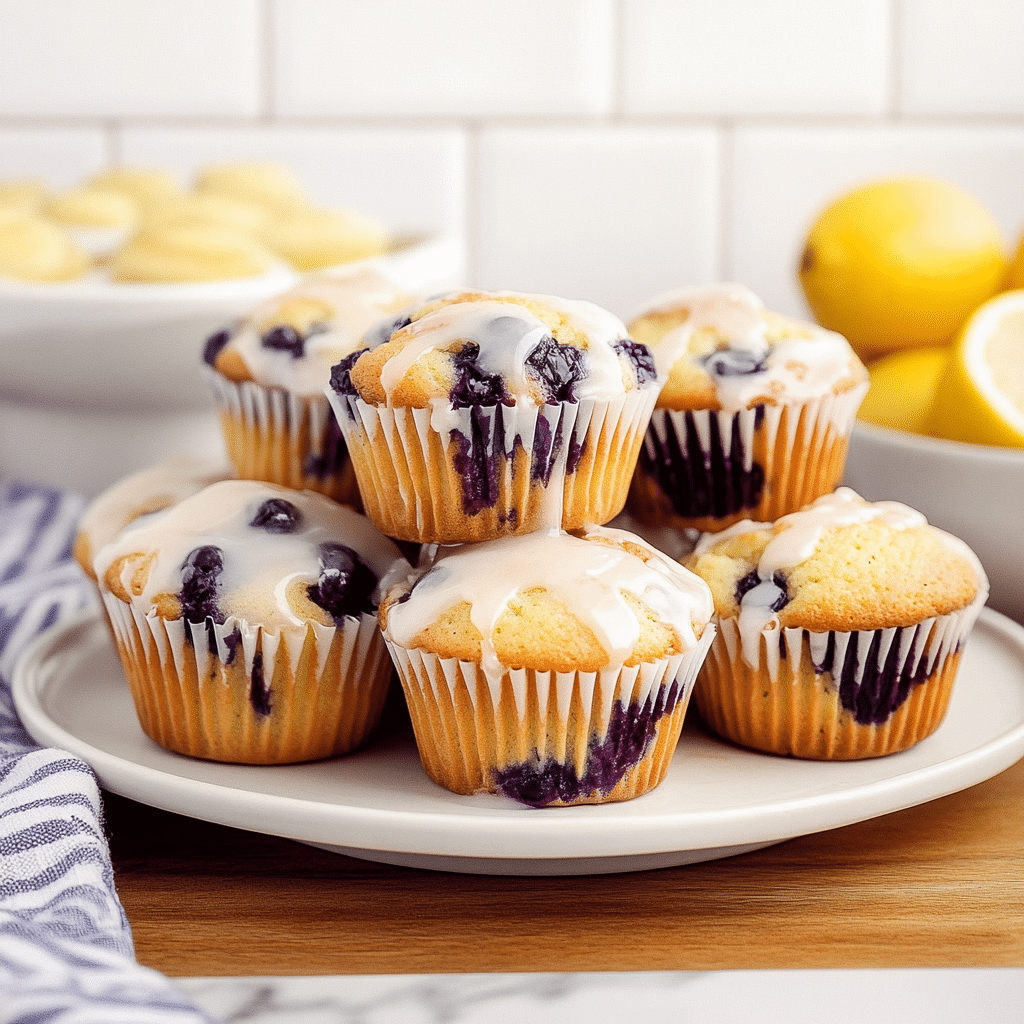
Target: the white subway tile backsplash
pixel 782 178
pixel 610 215
pixel 962 57
pixel 122 58
pixel 713 57
pixel 448 57
pixel 60 157
pixel 413 179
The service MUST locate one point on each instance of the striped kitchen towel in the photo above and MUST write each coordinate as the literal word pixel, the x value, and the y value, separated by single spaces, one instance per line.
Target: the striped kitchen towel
pixel 66 950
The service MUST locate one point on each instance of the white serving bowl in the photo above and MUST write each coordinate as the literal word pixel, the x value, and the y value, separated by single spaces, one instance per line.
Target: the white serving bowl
pixel 970 490
pixel 91 368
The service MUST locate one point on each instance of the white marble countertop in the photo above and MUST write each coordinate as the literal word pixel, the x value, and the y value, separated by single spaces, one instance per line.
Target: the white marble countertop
pixel 990 996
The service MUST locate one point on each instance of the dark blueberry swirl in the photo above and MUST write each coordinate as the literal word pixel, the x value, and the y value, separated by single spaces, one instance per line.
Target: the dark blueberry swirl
pixel 345 585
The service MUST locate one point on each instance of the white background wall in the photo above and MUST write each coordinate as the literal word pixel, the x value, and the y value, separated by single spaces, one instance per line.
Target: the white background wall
pixel 600 149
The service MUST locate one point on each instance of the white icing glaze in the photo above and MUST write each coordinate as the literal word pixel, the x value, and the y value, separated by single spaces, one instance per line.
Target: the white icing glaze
pixel 167 483
pixel 796 536
pixel 796 368
pixel 358 299
pixel 506 333
pixel 258 565
pixel 585 576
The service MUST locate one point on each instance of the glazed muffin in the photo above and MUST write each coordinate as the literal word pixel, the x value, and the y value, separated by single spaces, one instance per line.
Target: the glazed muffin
pixel 755 416
pixel 188 254
pixel 484 414
pixel 840 628
pixel 139 495
pixel 245 618
pixel 268 375
pixel 551 669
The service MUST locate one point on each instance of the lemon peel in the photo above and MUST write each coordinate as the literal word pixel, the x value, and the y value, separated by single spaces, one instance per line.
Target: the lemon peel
pixel 901 262
pixel 980 397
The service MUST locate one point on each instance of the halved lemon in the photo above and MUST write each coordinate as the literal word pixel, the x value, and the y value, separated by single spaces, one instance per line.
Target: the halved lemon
pixel 903 386
pixel 980 397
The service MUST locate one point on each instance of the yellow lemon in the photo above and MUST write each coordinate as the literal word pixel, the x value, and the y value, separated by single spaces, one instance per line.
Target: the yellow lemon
pixel 901 262
pixel 980 397
pixel 1015 275
pixel 903 386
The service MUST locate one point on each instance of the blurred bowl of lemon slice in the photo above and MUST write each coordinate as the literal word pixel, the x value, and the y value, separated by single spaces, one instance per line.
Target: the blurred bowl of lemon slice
pixel 109 290
pixel 914 272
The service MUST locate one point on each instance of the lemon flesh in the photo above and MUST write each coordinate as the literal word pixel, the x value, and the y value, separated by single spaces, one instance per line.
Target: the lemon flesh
pixel 903 387
pixel 900 263
pixel 980 397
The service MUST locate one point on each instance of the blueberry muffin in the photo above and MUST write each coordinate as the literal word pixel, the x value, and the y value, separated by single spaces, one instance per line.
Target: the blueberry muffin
pixel 245 618
pixel 484 414
pixel 268 373
pixel 549 668
pixel 840 628
pixel 755 415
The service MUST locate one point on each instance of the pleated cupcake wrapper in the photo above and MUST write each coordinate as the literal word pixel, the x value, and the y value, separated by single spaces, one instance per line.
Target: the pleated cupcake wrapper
pixel 804 448
pixel 326 684
pixel 404 461
pixel 274 435
pixel 470 724
pixel 778 703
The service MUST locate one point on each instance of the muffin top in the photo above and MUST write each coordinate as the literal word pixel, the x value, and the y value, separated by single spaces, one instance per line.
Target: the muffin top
pixel 721 349
pixel 141 494
pixel 484 348
pixel 549 601
pixel 841 564
pixel 292 340
pixel 253 551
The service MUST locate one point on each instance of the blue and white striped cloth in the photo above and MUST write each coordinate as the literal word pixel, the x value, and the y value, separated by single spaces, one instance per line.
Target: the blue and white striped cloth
pixel 66 950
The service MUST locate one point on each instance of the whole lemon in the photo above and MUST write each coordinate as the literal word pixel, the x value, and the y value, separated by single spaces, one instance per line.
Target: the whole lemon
pixel 901 262
pixel 1015 275
pixel 903 386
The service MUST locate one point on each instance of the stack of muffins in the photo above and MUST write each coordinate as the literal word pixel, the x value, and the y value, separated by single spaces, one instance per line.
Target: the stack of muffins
pixel 840 622
pixel 544 655
pixel 547 666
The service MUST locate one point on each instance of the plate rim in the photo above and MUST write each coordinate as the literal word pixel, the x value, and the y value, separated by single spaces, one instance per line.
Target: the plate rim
pixel 732 826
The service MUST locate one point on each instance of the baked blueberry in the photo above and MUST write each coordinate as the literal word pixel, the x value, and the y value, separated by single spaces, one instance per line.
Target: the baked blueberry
pixel 472 385
pixel 214 345
pixel 640 356
pixel 277 515
pixel 345 584
pixel 558 368
pixel 200 581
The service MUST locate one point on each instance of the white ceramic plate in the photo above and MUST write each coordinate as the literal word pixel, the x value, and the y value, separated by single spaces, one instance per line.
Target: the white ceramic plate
pixel 717 800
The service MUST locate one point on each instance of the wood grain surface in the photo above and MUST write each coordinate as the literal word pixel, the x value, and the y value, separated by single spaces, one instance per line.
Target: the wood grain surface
pixel 940 885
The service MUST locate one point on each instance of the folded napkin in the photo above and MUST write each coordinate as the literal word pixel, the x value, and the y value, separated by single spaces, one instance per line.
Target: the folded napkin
pixel 66 950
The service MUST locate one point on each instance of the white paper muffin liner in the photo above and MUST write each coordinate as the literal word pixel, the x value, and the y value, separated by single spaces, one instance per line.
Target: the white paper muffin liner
pixel 325 685
pixel 800 449
pixel 474 730
pixel 406 462
pixel 273 435
pixel 790 703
